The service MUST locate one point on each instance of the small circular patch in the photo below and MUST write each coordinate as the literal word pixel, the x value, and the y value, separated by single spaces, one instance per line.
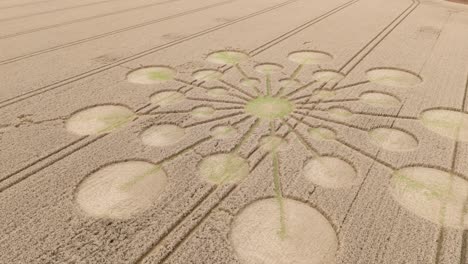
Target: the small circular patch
pixel 309 57
pixel 121 190
pixel 207 75
pixel 330 172
pixel 217 91
pixel 290 83
pixel 223 168
pixel 203 112
pixel 309 237
pixel 250 82
pixel 99 119
pixel 151 75
pixel 393 139
pixel 379 99
pixel 339 113
pixel 223 132
pixel 162 135
pixel 322 133
pixel 167 98
pixel 323 94
pixel 393 77
pixel 327 76
pixel 268 68
pixel 228 57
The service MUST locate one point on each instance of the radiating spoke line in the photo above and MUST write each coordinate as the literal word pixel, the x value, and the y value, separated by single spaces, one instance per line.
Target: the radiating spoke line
pixel 230 108
pixel 241 120
pixel 247 135
pixel 332 101
pixel 207 89
pixel 238 89
pixel 279 92
pixel 187 111
pixel 184 150
pixel 214 101
pixel 327 120
pixel 314 152
pixel 306 96
pixel 259 93
pixel 296 71
pixel 363 153
pixel 366 114
pixel 272 127
pixel 350 85
pixel 213 120
pixel 299 89
pixel 386 116
pixel 279 193
pixel 277 185
pixel 242 72
pixel 268 84
pixel 148 112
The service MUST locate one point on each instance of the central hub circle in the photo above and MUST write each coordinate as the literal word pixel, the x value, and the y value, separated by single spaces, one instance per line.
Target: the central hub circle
pixel 268 107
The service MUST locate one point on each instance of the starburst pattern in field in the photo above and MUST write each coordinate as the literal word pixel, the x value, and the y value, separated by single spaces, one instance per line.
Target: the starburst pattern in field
pixel 275 103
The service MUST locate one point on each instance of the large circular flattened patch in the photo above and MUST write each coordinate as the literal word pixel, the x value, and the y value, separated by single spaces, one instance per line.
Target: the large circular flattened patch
pixel 151 75
pixel 121 190
pixel 228 57
pixel 162 135
pixel 309 237
pixel 330 172
pixel 223 168
pixel 268 107
pixel 99 119
pixel 393 139
pixel 393 77
pixel 448 123
pixel 435 195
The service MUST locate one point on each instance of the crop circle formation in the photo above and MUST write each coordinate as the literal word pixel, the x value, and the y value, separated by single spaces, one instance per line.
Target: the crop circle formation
pixel 278 229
